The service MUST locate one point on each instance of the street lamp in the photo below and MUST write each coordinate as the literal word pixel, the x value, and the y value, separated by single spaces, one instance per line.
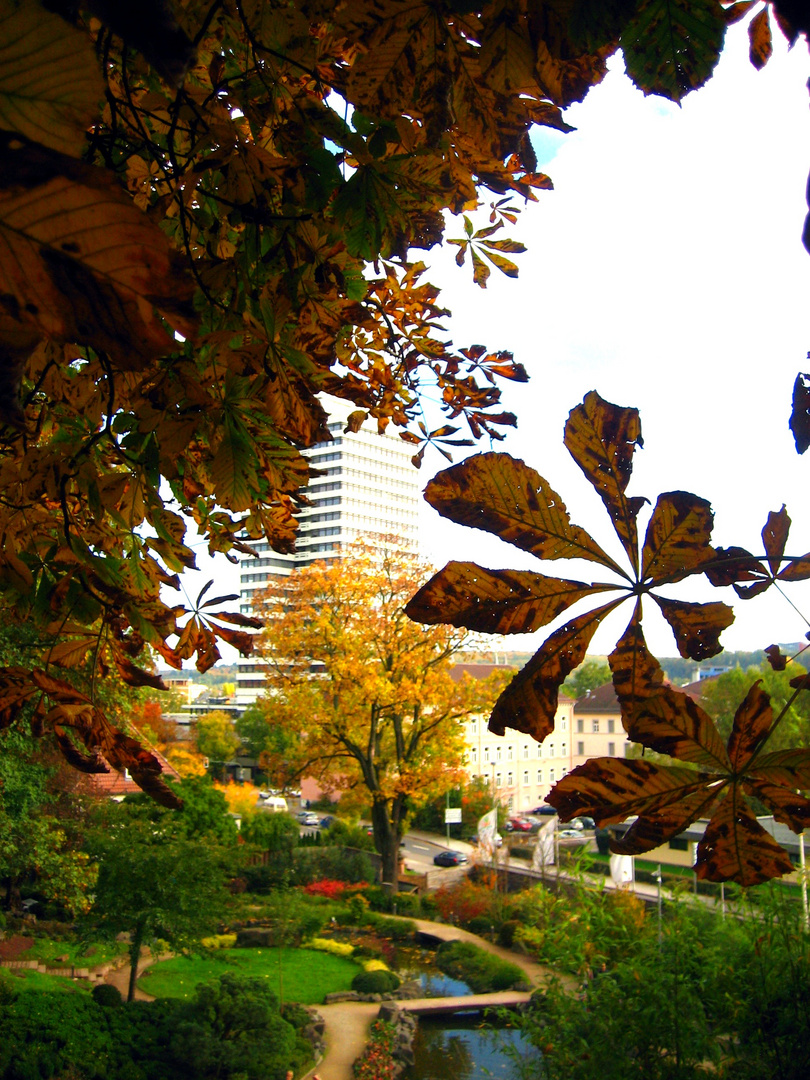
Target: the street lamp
pixel 657 877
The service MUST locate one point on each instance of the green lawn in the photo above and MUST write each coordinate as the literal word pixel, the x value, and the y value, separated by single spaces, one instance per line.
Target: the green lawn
pixel 26 979
pixel 294 974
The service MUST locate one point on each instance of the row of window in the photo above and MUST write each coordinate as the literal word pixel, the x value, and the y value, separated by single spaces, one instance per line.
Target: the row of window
pixel 611 749
pixel 611 726
pixel 494 754
pixel 509 778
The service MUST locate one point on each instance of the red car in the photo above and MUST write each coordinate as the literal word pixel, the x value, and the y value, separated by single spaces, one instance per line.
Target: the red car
pixel 519 825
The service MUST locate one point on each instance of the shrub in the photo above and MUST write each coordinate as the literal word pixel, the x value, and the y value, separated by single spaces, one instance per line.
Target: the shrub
pixel 342 834
pixel 358 908
pixel 481 925
pixel 375 963
pixel 375 982
pixel 109 997
pixel 326 887
pixel 395 929
pixel 336 863
pixel 464 901
pixel 380 899
pixel 219 941
pixel 506 934
pixel 482 971
pixel 408 903
pixel 327 945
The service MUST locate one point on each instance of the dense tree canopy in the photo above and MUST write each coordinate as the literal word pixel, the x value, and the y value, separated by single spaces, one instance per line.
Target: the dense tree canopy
pixel 210 212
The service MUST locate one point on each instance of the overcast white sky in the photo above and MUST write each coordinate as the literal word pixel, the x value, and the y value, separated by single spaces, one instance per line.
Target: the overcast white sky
pixel 665 271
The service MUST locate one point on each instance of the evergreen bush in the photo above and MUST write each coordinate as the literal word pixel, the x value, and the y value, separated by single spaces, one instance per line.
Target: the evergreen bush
pixel 375 982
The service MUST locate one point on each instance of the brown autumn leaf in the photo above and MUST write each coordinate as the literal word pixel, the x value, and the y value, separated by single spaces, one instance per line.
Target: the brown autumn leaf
pixel 499 601
pixel 50 80
pixel 87 739
pixel 760 39
pixel 602 438
pixel 84 264
pixel 775 658
pixel 503 496
pixel 668 798
pixel 529 702
pixel 734 565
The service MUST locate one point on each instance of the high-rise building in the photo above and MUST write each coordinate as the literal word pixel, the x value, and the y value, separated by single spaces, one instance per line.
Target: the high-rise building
pixel 367 487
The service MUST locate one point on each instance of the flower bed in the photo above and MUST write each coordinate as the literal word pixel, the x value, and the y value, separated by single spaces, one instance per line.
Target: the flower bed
pixel 377 1060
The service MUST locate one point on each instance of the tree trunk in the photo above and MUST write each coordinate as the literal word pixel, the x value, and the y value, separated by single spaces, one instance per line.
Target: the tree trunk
pixel 134 958
pixel 386 840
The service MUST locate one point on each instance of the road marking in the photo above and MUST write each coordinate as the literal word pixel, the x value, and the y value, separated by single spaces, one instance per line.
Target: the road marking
pixel 421 847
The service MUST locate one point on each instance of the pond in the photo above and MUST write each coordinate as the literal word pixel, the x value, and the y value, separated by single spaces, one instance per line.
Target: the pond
pixel 419 965
pixel 463 1048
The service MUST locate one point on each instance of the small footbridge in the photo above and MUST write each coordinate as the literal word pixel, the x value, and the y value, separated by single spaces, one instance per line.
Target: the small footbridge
pixel 442 1006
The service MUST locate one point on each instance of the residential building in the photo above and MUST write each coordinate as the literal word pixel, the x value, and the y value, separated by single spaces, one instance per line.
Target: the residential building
pixel 520 770
pixel 367 486
pixel 598 730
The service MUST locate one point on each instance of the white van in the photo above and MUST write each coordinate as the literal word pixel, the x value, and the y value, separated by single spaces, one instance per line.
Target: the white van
pixel 274 804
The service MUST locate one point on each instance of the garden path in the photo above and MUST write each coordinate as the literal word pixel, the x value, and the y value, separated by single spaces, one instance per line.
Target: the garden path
pixel 119 977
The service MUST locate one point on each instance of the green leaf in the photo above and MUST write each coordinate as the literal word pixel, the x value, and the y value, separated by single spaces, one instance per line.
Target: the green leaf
pixel 672 46
pixel 233 469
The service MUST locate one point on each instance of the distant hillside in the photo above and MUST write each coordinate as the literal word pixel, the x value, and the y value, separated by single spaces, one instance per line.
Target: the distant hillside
pixel 220 673
pixel 677 670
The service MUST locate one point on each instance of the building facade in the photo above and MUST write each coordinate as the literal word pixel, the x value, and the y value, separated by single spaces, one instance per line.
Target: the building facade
pixel 367 486
pixel 522 771
pixel 598 730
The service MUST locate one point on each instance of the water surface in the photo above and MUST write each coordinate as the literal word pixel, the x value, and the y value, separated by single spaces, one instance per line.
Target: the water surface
pixel 461 1048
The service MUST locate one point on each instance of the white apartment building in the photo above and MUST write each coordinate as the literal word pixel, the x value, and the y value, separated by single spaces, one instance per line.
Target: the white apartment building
pixel 368 486
pixel 522 771
pixel 598 730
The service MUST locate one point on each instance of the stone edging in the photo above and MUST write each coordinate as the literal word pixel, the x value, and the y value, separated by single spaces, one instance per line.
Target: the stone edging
pixel 92 974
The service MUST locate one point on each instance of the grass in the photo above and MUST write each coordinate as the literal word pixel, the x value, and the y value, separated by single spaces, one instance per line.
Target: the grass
pixel 46 950
pixel 26 979
pixel 294 974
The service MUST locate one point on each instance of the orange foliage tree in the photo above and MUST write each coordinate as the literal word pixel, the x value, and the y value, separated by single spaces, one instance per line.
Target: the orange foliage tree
pixel 362 696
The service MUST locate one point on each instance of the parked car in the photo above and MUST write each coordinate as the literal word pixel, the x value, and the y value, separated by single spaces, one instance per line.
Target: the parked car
pixel 545 810
pixel 576 823
pixel 449 858
pixel 519 825
pixel 308 818
pixel 588 822
pixel 571 834
pixel 275 804
pixel 327 821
